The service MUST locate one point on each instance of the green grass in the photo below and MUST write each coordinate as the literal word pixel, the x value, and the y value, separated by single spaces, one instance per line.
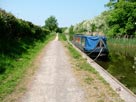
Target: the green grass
pixel 74 53
pixel 13 69
pixel 81 62
pixel 62 37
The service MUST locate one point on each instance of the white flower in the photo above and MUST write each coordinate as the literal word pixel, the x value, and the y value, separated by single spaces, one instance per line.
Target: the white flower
pixel 133 67
pixel 135 58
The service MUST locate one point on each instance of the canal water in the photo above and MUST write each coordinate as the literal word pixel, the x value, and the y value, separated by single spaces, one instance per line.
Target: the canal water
pixel 123 68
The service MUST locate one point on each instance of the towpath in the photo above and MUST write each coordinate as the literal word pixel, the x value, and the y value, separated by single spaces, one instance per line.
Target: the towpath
pixel 54 81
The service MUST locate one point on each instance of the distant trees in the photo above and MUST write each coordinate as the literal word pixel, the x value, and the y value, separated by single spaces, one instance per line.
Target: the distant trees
pixel 51 24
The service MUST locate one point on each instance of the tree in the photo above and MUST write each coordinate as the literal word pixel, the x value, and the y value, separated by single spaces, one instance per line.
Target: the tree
pixel 122 18
pixel 51 23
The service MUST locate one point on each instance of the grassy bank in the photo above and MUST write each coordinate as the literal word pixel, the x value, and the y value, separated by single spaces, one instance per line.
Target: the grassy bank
pixel 14 69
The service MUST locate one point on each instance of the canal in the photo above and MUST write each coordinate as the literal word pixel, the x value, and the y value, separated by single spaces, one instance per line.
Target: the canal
pixel 122 67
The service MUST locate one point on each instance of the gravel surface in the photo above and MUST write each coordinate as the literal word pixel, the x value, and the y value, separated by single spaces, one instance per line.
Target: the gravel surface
pixel 54 81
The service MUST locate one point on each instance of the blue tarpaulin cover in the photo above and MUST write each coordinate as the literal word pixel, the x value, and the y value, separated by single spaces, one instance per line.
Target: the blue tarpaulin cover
pixel 92 41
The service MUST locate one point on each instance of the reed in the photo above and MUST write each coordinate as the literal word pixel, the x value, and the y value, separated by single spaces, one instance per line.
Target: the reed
pixel 126 47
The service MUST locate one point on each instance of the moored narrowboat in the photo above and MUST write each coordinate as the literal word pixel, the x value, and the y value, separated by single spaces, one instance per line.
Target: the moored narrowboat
pixel 94 46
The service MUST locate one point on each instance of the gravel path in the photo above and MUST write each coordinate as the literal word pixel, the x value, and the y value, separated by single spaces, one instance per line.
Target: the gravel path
pixel 54 81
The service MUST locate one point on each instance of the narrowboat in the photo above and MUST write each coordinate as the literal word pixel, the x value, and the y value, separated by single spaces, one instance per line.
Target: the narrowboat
pixel 94 46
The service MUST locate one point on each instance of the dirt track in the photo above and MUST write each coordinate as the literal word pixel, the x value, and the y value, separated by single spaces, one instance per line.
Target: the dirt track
pixel 54 81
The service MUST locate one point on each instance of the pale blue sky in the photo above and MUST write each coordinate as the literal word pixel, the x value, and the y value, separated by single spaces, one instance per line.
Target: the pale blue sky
pixel 67 12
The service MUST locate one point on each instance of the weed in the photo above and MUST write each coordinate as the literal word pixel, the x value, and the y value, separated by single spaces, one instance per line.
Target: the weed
pixel 74 53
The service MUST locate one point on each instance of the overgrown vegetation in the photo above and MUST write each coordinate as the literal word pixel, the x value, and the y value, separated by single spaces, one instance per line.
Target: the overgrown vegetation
pixel 20 41
pixel 126 47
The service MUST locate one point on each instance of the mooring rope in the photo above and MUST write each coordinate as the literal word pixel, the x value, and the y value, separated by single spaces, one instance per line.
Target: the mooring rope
pixel 92 51
pixel 99 54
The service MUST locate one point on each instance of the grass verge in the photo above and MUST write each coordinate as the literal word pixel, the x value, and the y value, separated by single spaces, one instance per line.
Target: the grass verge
pixel 16 69
pixel 62 37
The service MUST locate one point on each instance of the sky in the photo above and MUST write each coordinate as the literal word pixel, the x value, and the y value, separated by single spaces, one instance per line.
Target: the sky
pixel 67 12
